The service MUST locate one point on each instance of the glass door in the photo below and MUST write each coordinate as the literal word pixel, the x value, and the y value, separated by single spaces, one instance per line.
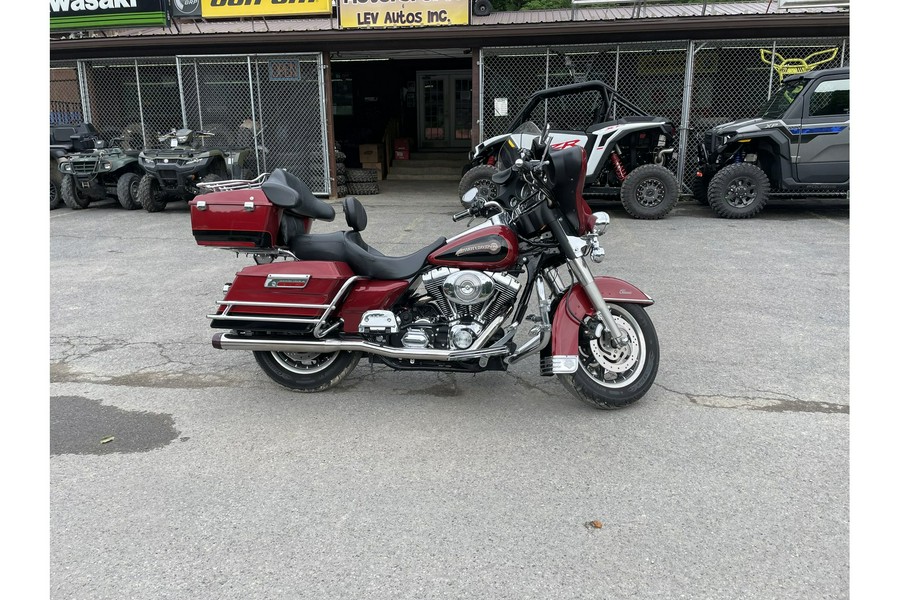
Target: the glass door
pixel 445 109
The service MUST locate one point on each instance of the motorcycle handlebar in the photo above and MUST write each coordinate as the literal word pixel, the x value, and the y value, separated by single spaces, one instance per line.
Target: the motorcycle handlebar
pixel 461 215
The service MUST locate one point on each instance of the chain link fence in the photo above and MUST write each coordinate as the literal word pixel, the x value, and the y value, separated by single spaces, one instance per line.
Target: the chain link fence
pixel 272 105
pixel 65 94
pixel 722 81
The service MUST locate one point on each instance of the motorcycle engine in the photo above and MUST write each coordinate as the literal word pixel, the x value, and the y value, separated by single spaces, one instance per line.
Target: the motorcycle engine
pixel 457 307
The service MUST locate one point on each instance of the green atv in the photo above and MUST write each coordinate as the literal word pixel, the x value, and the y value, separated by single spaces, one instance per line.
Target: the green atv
pixel 173 171
pixel 64 140
pixel 99 173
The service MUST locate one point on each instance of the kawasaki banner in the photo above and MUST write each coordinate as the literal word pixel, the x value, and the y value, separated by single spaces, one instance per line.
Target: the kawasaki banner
pixel 92 14
pixel 229 9
pixel 381 14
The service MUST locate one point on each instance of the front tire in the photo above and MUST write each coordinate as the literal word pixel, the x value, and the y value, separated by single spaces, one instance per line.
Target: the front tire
pixel 56 178
pixel 70 195
pixel 609 378
pixel 739 191
pixel 479 177
pixel 127 191
pixel 649 192
pixel 150 195
pixel 307 371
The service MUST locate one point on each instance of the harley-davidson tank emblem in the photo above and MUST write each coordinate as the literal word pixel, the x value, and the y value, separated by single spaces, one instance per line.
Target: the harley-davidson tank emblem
pixel 492 247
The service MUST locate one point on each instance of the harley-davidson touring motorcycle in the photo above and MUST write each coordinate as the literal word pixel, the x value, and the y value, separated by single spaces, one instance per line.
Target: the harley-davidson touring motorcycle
pixel 314 304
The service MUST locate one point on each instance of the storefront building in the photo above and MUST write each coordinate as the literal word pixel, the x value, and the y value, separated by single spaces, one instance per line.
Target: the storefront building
pixel 296 80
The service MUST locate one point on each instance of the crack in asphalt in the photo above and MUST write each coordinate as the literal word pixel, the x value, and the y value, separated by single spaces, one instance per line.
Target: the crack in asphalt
pixel 161 367
pixel 776 402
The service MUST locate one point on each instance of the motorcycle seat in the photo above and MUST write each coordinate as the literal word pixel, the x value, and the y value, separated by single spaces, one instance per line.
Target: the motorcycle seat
pixel 349 247
pixel 290 193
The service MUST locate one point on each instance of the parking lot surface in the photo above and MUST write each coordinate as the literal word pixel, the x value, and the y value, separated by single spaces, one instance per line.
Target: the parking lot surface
pixel 729 479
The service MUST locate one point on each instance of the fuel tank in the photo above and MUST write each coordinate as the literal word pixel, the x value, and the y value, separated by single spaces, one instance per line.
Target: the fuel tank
pixel 494 247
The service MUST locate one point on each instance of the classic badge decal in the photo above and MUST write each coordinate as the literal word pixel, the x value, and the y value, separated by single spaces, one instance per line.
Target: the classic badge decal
pixel 492 247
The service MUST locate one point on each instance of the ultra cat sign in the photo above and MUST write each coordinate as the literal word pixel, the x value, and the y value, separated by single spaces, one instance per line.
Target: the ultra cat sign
pixel 229 9
pixel 385 14
pixel 94 14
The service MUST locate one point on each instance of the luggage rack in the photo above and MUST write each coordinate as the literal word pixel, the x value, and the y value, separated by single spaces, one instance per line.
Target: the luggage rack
pixel 229 185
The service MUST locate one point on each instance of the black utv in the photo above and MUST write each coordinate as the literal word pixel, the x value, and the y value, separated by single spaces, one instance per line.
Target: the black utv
pixel 798 145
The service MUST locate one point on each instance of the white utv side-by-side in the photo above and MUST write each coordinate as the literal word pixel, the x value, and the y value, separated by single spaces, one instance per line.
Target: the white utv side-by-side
pixel 627 157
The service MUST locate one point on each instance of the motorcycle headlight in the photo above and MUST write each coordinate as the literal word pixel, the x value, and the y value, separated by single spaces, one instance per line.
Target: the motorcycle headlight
pixel 182 139
pixel 149 162
pixel 65 167
pixel 106 166
pixel 194 161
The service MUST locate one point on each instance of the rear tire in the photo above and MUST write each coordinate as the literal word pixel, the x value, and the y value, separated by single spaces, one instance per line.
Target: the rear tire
pixel 211 178
pixel 609 378
pixel 127 191
pixel 739 191
pixel 649 192
pixel 150 195
pixel 305 371
pixel 70 195
pixel 699 189
pixel 479 177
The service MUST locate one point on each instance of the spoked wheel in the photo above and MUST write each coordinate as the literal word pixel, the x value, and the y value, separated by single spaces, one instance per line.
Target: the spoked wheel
pixel 307 371
pixel 610 377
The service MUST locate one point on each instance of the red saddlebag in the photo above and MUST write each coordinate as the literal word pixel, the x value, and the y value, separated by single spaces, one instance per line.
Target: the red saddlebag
pixel 235 219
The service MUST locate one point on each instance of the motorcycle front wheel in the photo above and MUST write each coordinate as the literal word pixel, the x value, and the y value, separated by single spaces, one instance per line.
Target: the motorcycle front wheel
pixel 307 371
pixel 608 377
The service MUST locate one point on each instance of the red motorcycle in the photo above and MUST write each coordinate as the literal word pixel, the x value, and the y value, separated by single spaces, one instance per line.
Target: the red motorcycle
pixel 315 303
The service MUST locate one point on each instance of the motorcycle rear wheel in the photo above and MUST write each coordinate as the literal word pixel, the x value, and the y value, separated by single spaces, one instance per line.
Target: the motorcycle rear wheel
pixel 307 371
pixel 610 378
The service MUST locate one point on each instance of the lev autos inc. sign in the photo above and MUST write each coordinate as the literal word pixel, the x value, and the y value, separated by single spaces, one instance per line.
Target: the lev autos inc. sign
pixel 91 14
pixel 381 14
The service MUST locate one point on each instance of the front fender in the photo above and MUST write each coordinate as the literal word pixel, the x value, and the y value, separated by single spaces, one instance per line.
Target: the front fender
pixel 574 307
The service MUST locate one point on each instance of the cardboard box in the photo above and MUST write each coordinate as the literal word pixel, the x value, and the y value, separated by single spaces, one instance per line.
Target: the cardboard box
pixel 371 153
pixel 378 166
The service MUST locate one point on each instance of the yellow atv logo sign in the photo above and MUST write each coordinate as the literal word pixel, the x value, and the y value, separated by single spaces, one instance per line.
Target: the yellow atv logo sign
pixel 792 66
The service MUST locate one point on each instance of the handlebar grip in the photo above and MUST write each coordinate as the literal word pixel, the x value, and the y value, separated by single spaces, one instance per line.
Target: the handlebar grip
pixel 461 215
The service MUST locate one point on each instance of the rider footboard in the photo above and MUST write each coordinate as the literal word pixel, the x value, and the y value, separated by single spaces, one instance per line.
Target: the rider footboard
pixel 235 219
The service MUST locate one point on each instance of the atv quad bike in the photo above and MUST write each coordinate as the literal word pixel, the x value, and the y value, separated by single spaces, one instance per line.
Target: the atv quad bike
pixel 798 146
pixel 627 157
pixel 65 139
pixel 96 174
pixel 173 172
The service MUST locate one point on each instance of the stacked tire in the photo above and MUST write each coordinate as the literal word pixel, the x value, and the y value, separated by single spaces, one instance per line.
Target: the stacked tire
pixel 362 182
pixel 341 170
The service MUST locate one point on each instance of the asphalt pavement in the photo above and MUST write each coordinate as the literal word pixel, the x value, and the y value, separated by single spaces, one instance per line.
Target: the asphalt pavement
pixel 181 471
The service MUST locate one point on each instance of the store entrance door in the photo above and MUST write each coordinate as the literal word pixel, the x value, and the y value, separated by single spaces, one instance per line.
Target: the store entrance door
pixel 445 109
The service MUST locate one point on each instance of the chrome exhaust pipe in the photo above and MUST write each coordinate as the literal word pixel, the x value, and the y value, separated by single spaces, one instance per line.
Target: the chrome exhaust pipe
pixel 228 341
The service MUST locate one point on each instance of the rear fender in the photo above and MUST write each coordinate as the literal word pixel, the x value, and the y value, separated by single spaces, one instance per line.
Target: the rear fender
pixel 574 307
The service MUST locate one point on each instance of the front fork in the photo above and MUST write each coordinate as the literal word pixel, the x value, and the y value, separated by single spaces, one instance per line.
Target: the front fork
pixel 575 249
pixel 583 274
